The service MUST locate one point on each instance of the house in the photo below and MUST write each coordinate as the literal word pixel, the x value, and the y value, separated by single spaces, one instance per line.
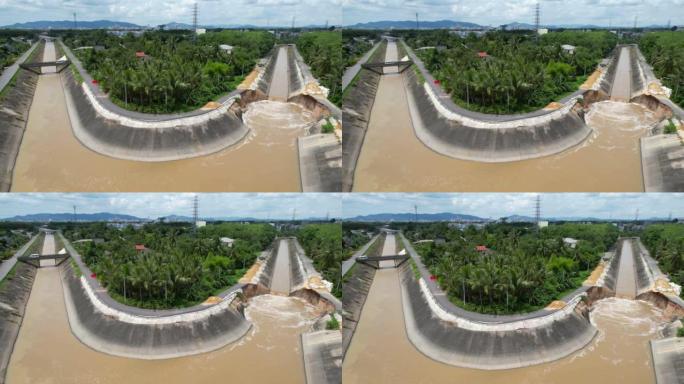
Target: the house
pixel 482 55
pixel 481 248
pixel 142 56
pixel 227 241
pixel 567 48
pixel 226 48
pixel 570 242
pixel 140 248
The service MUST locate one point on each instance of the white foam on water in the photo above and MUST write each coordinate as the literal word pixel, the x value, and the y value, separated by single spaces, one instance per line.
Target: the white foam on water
pixel 628 117
pixel 633 317
pixel 276 114
pixel 286 312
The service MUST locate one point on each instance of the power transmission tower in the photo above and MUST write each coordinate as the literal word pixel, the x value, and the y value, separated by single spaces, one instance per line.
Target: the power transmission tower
pixel 536 21
pixel 75 23
pixel 293 23
pixel 415 212
pixel 417 22
pixel 195 12
pixel 326 24
pixel 636 215
pixel 74 213
pixel 327 216
pixel 537 210
pixel 195 211
pixel 294 214
pixel 636 18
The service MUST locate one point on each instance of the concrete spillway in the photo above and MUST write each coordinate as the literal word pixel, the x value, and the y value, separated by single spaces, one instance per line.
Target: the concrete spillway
pixel 48 249
pixel 281 273
pixel 626 281
pixel 622 84
pixel 280 89
pixel 389 248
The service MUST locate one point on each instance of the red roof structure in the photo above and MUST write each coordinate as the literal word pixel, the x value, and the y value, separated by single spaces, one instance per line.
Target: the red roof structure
pixel 140 247
pixel 481 248
pixel 140 54
pixel 482 54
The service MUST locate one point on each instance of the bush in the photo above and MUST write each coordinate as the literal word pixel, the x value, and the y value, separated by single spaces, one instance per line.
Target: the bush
pixel 332 324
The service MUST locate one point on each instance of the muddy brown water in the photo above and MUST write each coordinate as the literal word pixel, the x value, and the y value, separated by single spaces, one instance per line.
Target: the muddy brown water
pixel 380 351
pixel 281 271
pixel 393 159
pixel 52 159
pixel 47 352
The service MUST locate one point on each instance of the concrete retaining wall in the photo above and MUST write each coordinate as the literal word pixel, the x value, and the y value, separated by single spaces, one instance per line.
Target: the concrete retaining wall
pixel 14 110
pixel 356 110
pixel 109 134
pixel 295 76
pixel 355 290
pixel 608 77
pixel 500 346
pixel 14 296
pixel 264 81
pixel 462 137
pixel 121 334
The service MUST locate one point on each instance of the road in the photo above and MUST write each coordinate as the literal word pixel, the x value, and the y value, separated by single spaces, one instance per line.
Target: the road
pixel 281 272
pixel 622 85
pixel 352 71
pixel 279 89
pixel 349 263
pixel 8 264
pixel 8 73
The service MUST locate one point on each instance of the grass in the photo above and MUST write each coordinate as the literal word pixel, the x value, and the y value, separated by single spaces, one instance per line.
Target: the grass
pixel 680 332
pixel 414 268
pixel 76 269
pixel 327 127
pixel 670 128
pixel 76 73
pixel 9 275
pixel 332 324
pixel 418 73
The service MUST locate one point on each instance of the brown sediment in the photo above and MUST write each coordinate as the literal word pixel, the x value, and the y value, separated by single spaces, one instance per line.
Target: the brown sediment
pixel 595 275
pixel 589 82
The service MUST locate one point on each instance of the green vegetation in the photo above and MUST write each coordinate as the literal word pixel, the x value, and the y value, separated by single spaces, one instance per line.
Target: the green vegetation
pixel 665 242
pixel 520 270
pixel 322 51
pixel 323 244
pixel 327 127
pixel 13 237
pixel 514 74
pixel 332 324
pixel 670 127
pixel 665 52
pixel 356 43
pixel 173 73
pixel 177 267
pixel 12 45
pixel 75 268
pixel 680 332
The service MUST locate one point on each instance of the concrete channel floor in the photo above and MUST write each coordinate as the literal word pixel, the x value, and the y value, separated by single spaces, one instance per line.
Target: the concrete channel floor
pixel 668 360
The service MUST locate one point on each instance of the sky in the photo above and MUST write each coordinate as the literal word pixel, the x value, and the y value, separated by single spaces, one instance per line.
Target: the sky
pixel 154 205
pixel 497 12
pixel 155 12
pixel 496 205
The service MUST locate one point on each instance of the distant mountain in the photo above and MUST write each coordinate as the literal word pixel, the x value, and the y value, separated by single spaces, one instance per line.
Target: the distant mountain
pixel 444 216
pixel 410 24
pixel 69 24
pixel 44 217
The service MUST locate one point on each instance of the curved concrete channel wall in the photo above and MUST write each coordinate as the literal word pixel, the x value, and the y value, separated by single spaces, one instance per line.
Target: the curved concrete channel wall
pixel 457 337
pixel 456 132
pixel 110 327
pixel 108 129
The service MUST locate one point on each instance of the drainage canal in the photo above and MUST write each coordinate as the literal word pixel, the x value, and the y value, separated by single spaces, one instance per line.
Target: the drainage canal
pixel 47 352
pixel 52 159
pixel 393 159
